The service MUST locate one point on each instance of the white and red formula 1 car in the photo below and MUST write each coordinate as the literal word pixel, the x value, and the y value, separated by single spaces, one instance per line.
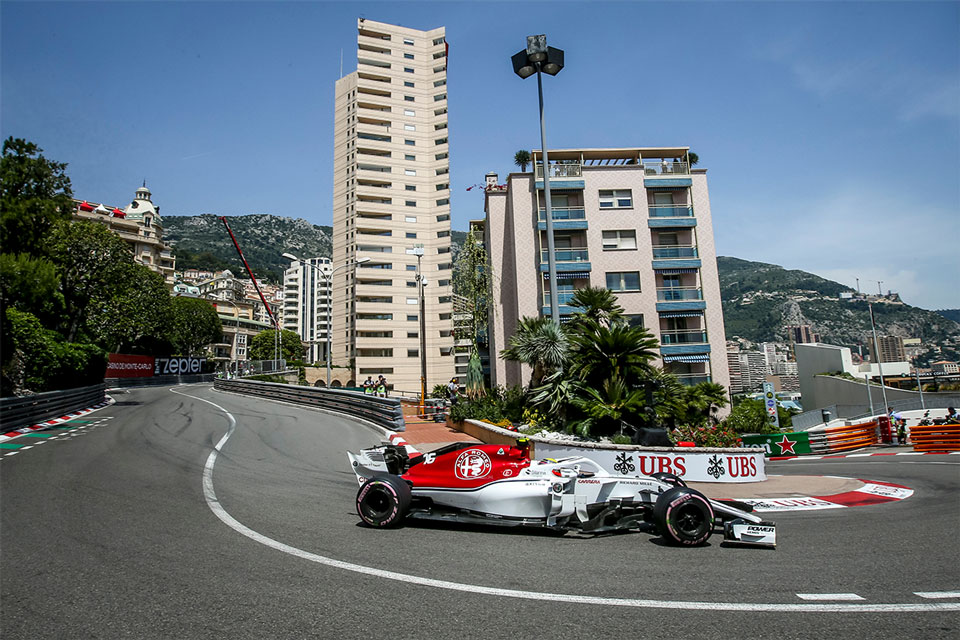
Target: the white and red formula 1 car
pixel 501 485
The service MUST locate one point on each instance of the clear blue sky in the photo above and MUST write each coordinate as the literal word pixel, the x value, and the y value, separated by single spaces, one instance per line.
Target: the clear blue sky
pixel 831 131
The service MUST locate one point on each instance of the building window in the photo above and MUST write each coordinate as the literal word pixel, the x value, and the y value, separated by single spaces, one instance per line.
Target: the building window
pixel 409 112
pixel 443 283
pixel 439 97
pixel 411 203
pixel 376 370
pixel 413 334
pixel 412 318
pixel 443 186
pixel 443 234
pixel 409 172
pixel 412 283
pixel 412 267
pixel 446 316
pixel 619 240
pixel 616 199
pixel 411 234
pixel 411 301
pixel 410 187
pixel 413 353
pixel 408 98
pixel 410 156
pixel 409 142
pixel 408 69
pixel 442 156
pixel 407 41
pixel 445 299
pixel 623 281
pixel 374 316
pixel 409 127
pixel 440 203
pixel 407 83
pixel 634 320
pixel 410 219
pixel 408 56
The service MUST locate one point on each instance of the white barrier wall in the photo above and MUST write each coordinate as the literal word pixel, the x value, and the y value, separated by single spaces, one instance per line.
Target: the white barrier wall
pixel 691 464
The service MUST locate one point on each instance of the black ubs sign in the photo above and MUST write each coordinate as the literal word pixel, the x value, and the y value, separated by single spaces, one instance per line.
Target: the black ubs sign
pixel 177 366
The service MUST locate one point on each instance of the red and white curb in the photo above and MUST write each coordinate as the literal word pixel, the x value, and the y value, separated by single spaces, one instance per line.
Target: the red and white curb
pixel 9 435
pixel 868 455
pixel 872 492
pixel 397 439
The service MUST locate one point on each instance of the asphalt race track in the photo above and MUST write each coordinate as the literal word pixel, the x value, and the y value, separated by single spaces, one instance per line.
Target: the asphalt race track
pixel 130 524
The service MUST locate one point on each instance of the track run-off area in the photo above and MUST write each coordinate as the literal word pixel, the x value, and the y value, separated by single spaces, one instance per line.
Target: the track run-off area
pixel 186 512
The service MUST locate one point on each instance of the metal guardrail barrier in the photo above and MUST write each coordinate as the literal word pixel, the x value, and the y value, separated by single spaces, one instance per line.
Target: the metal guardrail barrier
pixel 157 381
pixel 386 412
pixel 939 437
pixel 22 411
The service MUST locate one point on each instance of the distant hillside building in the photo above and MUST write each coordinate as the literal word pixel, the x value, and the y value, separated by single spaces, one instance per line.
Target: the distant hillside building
pixel 944 367
pixel 733 367
pixel 634 220
pixel 891 349
pixel 306 305
pixel 802 334
pixel 140 225
pixel 753 370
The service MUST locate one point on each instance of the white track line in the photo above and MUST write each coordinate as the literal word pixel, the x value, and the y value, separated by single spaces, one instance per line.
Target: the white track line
pixel 211 498
pixel 937 594
pixel 829 596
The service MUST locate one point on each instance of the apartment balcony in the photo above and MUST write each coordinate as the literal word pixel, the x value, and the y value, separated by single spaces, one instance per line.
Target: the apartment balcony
pixel 373 137
pixel 675 257
pixel 679 293
pixel 665 168
pixel 665 216
pixel 564 218
pixel 565 176
pixel 689 380
pixel 683 336
pixel 567 260
pixel 680 299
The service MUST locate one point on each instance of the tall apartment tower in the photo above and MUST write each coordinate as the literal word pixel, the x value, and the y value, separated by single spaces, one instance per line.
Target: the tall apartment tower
pixel 634 220
pixel 306 305
pixel 391 195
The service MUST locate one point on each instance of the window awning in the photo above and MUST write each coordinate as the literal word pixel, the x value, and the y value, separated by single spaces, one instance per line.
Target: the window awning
pixel 681 314
pixel 675 272
pixel 567 275
pixel 694 358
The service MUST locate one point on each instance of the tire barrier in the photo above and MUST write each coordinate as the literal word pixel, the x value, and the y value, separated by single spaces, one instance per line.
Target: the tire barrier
pixel 27 410
pixel 848 437
pixel 822 441
pixel 385 412
pixel 936 437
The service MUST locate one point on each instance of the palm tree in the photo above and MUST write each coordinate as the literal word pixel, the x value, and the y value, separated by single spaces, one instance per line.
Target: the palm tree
pixel 606 407
pixel 703 400
pixel 475 388
pixel 541 343
pixel 596 303
pixel 522 159
pixel 619 351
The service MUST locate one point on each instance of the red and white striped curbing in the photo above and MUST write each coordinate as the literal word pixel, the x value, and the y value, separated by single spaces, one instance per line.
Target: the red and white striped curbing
pixel 867 455
pixel 872 492
pixel 397 439
pixel 9 435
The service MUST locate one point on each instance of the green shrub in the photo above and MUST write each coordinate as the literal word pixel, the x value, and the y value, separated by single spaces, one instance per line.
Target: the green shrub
pixel 708 436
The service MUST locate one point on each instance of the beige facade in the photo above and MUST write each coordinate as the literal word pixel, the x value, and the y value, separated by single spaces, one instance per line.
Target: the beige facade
pixel 391 194
pixel 306 304
pixel 140 225
pixel 636 221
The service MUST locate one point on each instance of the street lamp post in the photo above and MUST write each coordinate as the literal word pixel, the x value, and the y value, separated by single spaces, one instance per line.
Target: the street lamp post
pixel 535 58
pixel 421 283
pixel 327 279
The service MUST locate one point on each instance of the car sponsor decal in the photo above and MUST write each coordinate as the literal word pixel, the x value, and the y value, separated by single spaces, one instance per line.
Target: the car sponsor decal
pixel 472 464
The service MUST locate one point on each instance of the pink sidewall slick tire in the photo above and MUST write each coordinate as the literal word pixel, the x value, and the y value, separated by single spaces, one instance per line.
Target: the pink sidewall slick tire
pixel 683 516
pixel 383 501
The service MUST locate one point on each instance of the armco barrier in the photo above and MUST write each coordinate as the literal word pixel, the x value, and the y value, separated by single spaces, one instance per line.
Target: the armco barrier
pixel 853 436
pixel 937 437
pixel 22 411
pixel 383 411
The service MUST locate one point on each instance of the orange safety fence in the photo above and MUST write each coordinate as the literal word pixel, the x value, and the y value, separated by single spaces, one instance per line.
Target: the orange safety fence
pixel 935 437
pixel 852 436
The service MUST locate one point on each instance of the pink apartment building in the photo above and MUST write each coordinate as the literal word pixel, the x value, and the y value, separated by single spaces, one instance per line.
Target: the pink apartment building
pixel 636 221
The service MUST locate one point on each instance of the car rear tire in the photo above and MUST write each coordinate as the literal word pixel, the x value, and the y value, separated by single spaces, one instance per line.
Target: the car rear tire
pixel 683 516
pixel 383 501
pixel 669 478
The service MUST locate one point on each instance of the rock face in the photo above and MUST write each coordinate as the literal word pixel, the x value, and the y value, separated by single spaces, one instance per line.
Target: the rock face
pixel 760 300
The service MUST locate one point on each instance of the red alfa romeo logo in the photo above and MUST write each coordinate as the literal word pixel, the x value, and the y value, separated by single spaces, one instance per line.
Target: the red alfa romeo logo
pixel 472 464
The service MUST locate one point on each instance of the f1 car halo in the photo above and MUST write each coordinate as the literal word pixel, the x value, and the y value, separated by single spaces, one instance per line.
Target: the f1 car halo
pixel 501 485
